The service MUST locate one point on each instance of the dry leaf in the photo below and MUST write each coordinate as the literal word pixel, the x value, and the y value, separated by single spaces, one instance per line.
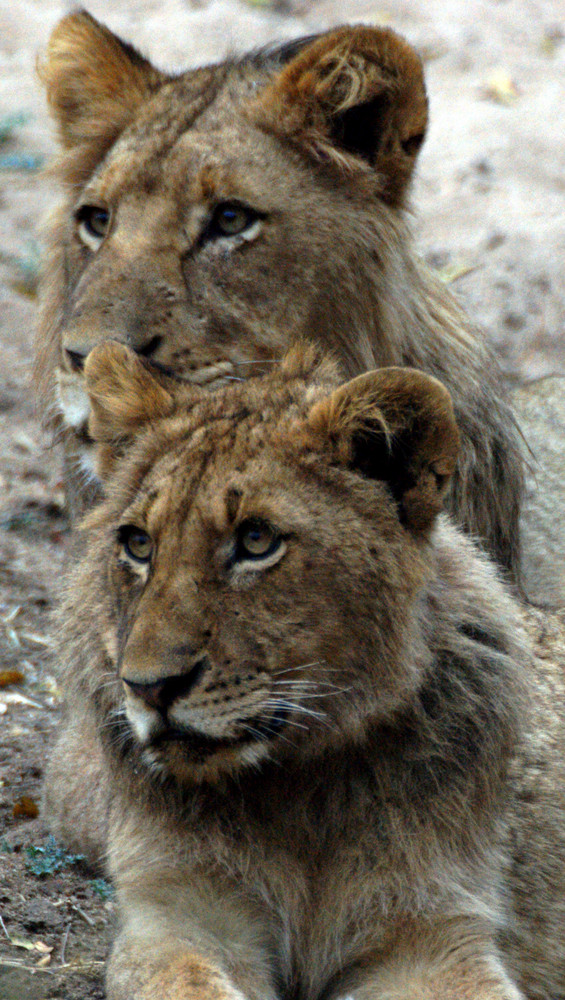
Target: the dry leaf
pixel 12 637
pixel 452 272
pixel 45 949
pixel 13 613
pixel 50 686
pixel 10 677
pixel 25 808
pixel 39 640
pixel 14 698
pixel 501 87
pixel 40 946
pixel 20 942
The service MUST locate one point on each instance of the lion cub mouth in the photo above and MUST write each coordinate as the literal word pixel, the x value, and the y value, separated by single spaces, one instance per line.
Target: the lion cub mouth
pixel 199 744
pixel 174 749
pixel 162 729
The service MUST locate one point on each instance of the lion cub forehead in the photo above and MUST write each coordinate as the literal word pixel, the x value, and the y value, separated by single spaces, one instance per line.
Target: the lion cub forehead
pixel 211 481
pixel 225 447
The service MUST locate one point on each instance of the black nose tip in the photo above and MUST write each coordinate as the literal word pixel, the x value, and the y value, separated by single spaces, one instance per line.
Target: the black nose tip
pixel 161 694
pixel 76 356
pixel 75 359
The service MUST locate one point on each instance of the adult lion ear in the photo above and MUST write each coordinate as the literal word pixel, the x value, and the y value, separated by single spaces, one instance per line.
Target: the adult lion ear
pixel 95 82
pixel 123 394
pixel 356 97
pixel 395 425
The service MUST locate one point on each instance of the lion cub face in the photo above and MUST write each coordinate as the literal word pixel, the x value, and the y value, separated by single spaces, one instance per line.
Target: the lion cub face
pixel 259 542
pixel 211 217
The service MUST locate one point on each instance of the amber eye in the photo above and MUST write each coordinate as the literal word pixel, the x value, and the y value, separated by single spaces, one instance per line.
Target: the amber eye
pixel 93 224
pixel 230 219
pixel 135 542
pixel 256 539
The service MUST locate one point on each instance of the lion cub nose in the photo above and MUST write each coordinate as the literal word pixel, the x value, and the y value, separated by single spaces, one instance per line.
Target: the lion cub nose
pixel 162 693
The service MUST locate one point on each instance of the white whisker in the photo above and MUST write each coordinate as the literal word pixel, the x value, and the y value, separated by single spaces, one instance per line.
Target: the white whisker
pixel 273 361
pixel 266 735
pixel 295 707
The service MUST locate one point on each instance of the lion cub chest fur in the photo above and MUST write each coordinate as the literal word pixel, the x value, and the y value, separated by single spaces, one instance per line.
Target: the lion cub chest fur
pixel 301 694
pixel 214 218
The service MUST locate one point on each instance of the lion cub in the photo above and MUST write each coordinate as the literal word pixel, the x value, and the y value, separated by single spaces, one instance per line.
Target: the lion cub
pixel 300 697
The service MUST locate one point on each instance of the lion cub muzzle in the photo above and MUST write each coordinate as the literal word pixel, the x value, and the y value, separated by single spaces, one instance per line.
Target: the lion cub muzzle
pixel 155 704
pixel 200 709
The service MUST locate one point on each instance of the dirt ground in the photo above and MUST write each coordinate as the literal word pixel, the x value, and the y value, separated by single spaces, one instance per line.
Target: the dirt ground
pixel 489 212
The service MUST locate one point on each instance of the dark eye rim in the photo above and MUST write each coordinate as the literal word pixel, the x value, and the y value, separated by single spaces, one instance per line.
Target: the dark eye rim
pixel 84 216
pixel 124 534
pixel 213 229
pixel 241 554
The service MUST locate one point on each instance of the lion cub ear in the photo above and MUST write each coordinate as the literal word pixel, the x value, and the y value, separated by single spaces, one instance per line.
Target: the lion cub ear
pixel 395 425
pixel 123 396
pixel 355 96
pixel 95 83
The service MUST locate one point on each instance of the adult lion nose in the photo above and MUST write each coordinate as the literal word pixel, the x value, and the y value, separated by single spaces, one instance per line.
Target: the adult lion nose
pixel 75 358
pixel 161 694
pixel 76 354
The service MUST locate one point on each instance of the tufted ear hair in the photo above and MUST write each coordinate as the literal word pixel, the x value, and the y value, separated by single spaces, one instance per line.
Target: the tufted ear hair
pixel 395 425
pixel 355 97
pixel 124 395
pixel 95 82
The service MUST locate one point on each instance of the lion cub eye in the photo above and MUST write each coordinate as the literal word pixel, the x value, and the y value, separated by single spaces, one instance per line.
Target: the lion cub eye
pixel 93 225
pixel 135 542
pixel 231 219
pixel 256 539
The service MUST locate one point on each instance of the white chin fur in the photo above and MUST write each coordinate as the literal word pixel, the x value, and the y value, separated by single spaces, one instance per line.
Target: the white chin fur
pixel 72 399
pixel 87 462
pixel 144 721
pixel 74 407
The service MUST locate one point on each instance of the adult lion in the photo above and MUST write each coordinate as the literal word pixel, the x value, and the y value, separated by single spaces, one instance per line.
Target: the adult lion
pixel 212 218
pixel 319 757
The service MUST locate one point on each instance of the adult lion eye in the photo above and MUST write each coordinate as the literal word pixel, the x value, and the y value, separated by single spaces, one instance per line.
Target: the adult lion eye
pixel 93 224
pixel 256 539
pixel 135 542
pixel 230 219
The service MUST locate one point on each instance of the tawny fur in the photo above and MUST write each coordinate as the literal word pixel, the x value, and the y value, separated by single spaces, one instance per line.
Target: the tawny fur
pixel 318 138
pixel 361 794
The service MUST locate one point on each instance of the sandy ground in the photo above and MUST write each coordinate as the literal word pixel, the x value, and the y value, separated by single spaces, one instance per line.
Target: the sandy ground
pixel 489 211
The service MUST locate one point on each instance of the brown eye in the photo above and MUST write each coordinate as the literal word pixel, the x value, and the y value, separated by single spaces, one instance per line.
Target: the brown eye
pixel 256 539
pixel 93 224
pixel 135 542
pixel 230 219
